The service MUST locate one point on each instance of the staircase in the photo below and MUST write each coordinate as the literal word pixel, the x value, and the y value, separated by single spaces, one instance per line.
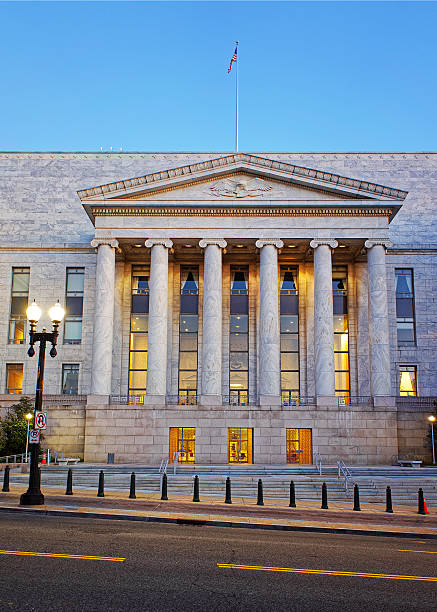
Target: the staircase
pixel 372 481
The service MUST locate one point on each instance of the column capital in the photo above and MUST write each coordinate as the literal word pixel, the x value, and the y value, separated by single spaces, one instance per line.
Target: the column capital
pixel 385 242
pixel 217 241
pixel 165 242
pixel 333 244
pixel 276 242
pixel 112 242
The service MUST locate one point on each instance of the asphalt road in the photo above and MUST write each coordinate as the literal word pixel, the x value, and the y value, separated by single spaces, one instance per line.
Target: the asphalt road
pixel 174 567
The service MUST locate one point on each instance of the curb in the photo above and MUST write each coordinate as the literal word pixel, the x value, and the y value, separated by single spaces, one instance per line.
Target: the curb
pixel 219 523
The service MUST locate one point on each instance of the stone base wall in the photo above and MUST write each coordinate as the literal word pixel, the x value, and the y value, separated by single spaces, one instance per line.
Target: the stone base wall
pixel 358 435
pixel 414 434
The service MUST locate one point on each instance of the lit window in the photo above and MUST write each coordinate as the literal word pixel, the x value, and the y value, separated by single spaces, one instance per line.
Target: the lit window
pixel 289 329
pixel 341 331
pixel 188 328
pixel 139 325
pixel 239 336
pixel 14 378
pixel 19 302
pixel 408 380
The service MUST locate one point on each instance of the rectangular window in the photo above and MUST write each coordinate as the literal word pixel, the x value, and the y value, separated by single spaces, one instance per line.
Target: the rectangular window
pixel 14 378
pixel 289 330
pixel 74 305
pixel 19 302
pixel 188 328
pixel 239 336
pixel 70 378
pixel 299 446
pixel 182 444
pixel 408 380
pixel 341 330
pixel 405 311
pixel 240 445
pixel 139 324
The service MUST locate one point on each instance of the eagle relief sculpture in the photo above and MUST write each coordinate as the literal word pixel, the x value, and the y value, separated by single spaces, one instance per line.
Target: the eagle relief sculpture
pixel 240 188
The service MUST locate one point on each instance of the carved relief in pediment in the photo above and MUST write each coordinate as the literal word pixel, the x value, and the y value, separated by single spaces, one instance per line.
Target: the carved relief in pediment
pixel 240 188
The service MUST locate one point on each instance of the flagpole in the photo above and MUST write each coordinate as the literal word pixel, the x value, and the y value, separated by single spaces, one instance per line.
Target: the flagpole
pixel 236 107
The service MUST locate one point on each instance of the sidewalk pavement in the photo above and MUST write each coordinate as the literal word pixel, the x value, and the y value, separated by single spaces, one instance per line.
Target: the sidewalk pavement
pixel 243 512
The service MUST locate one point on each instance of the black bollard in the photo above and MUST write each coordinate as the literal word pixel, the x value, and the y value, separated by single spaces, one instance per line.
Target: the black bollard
pixel 6 480
pixel 388 502
pixel 132 486
pixel 260 500
pixel 421 509
pixel 196 489
pixel 324 505
pixel 292 503
pixel 164 496
pixel 101 491
pixel 357 499
pixel 39 478
pixel 69 489
pixel 228 499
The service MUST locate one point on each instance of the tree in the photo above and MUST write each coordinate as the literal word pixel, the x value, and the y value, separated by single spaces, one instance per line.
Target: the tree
pixel 13 428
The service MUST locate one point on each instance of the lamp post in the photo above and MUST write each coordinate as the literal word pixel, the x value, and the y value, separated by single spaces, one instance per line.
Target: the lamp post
pixel 33 495
pixel 27 416
pixel 432 420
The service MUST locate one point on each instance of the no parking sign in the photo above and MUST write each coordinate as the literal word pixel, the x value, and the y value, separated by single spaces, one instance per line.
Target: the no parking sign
pixel 41 420
pixel 34 436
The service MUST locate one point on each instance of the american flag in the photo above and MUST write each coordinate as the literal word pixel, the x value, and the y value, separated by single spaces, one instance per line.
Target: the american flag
pixel 234 59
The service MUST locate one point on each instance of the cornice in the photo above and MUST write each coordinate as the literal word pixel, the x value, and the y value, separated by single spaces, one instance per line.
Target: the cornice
pixel 240 211
pixel 229 161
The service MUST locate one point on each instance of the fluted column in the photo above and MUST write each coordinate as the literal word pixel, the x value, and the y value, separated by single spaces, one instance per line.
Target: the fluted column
pixel 269 339
pixel 101 369
pixel 211 390
pixel 156 385
pixel 323 318
pixel 379 335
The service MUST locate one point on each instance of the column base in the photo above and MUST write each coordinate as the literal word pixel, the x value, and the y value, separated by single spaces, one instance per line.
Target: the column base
pixel 97 399
pixel 211 400
pixel 326 400
pixel 270 400
pixel 150 400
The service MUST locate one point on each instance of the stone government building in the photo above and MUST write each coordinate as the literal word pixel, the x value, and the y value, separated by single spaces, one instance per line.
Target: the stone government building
pixel 225 308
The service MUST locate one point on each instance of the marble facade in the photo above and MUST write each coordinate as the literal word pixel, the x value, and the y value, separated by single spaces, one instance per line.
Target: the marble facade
pixel 260 210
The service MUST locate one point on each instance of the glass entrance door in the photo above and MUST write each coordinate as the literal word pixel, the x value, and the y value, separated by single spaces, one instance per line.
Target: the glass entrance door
pixel 240 445
pixel 182 444
pixel 299 446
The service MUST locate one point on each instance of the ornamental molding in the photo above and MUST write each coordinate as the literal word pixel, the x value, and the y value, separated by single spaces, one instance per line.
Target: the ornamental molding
pixel 244 187
pixel 165 242
pixel 215 241
pixel 385 242
pixel 262 242
pixel 240 211
pixel 323 241
pixel 112 242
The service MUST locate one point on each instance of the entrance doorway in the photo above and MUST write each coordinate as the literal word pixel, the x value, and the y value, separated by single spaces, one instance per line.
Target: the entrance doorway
pixel 182 444
pixel 299 446
pixel 240 445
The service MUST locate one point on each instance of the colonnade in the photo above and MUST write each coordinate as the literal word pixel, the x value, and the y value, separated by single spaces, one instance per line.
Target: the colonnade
pixel 269 382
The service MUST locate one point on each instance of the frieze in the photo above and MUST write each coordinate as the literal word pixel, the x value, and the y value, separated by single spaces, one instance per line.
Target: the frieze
pixel 249 211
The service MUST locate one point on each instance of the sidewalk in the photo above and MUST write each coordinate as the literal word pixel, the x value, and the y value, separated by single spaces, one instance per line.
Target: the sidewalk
pixel 243 512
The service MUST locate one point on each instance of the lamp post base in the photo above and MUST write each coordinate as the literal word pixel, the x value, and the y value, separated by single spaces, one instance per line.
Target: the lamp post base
pixel 32 499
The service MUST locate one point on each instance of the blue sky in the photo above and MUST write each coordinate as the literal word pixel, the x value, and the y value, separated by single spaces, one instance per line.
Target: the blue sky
pixel 152 76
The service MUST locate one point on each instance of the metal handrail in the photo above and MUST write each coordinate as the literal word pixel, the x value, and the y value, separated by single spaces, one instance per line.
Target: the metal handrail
pixel 162 470
pixel 318 462
pixel 344 473
pixel 6 458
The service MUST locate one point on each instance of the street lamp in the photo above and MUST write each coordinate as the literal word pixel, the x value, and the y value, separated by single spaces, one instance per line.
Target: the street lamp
pixel 432 420
pixel 33 495
pixel 27 416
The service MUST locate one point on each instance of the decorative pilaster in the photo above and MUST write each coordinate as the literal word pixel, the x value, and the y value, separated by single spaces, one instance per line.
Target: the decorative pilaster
pixel 269 339
pixel 101 369
pixel 379 335
pixel 211 389
pixel 323 317
pixel 158 307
